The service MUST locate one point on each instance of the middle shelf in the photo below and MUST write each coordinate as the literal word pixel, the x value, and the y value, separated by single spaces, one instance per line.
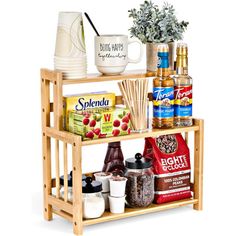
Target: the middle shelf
pixel 51 132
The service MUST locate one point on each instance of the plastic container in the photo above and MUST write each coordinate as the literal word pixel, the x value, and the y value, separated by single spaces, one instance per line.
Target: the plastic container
pixel 117 186
pixel 117 204
pixel 104 178
pixel 114 160
pixel 140 183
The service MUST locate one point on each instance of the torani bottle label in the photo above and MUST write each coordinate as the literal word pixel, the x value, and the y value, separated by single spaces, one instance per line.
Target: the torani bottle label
pixel 183 101
pixel 163 102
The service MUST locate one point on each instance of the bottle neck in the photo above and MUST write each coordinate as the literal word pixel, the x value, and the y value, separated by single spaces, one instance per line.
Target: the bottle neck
pixel 163 64
pixel 163 72
pixel 182 65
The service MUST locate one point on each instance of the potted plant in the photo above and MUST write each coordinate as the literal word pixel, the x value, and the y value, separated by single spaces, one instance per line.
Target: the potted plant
pixel 152 25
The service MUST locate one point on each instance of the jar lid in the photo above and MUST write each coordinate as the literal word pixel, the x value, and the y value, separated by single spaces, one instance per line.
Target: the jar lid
pixel 69 177
pixel 90 186
pixel 139 162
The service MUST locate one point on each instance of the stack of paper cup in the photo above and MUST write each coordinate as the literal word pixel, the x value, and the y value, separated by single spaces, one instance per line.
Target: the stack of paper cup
pixel 70 53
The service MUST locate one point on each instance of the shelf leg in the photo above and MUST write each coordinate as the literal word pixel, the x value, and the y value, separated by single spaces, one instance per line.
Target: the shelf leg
pixel 45 94
pixel 198 164
pixel 77 187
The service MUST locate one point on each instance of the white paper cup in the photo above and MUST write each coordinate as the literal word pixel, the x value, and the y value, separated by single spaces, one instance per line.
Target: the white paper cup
pixel 70 35
pixel 117 187
pixel 104 178
pixel 117 204
pixel 106 198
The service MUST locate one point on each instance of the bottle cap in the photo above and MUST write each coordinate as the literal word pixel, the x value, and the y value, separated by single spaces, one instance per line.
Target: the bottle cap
pixel 182 49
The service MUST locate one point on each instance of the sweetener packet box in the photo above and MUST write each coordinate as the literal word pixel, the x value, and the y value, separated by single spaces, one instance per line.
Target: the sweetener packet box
pixel 82 102
pixel 100 122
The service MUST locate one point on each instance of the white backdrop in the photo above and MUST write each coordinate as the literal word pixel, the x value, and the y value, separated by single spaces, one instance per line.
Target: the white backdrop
pixel 28 31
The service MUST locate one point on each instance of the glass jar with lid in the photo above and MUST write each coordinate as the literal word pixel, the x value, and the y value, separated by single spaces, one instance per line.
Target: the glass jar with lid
pixel 140 183
pixel 93 201
pixel 70 184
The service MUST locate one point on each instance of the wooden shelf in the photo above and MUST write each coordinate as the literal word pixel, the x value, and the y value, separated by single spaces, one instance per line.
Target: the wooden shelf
pixel 151 133
pixel 96 77
pixel 129 212
pixel 64 135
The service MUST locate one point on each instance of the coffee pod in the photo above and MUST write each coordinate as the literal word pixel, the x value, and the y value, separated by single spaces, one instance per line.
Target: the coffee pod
pixel 117 186
pixel 104 178
pixel 117 204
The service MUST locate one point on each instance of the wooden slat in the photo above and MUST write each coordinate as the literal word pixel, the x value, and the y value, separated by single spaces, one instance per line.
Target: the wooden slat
pixel 60 204
pixel 65 172
pixel 49 75
pixel 186 137
pixel 152 133
pixel 57 168
pixel 58 102
pixel 63 136
pixel 198 164
pixel 129 212
pixel 91 78
pixel 77 187
pixel 45 106
pixel 63 214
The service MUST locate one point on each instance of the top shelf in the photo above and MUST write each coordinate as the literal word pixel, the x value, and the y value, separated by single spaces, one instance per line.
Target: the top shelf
pixel 91 78
pixel 52 75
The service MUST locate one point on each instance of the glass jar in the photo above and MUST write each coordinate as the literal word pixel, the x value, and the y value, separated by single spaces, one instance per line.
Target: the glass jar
pixel 140 183
pixel 93 201
pixel 70 188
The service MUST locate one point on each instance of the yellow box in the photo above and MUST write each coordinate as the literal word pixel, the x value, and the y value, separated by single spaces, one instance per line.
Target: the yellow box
pixel 82 102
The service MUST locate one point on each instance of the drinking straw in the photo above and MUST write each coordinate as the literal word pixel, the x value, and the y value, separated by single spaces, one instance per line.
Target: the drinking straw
pixel 91 23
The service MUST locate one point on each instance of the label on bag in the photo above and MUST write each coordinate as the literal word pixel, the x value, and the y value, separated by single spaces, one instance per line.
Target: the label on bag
pixel 183 101
pixel 163 102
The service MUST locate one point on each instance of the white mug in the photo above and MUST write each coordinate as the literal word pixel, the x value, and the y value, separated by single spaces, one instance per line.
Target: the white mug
pixel 111 53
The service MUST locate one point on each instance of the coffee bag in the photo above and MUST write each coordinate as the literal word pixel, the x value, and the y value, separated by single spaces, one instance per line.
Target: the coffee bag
pixel 171 165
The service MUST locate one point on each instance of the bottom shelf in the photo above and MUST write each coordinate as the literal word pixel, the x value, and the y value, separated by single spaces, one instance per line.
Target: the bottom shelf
pixel 129 212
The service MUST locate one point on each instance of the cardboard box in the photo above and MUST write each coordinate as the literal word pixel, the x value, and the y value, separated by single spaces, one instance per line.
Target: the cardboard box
pixel 82 102
pixel 100 122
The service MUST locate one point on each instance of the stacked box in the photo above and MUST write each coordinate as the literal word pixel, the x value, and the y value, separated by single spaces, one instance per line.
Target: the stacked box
pixel 100 122
pixel 82 102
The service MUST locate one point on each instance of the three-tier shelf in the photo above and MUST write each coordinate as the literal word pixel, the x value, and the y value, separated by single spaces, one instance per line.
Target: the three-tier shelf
pixel 52 104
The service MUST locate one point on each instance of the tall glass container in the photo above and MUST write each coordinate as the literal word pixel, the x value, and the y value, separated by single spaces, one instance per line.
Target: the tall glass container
pixel 163 91
pixel 183 88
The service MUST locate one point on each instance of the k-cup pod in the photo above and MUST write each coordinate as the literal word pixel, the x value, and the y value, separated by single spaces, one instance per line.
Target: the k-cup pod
pixel 117 204
pixel 104 178
pixel 117 186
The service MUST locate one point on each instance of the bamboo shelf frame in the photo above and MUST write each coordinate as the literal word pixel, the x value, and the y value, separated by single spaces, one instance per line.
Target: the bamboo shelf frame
pixel 72 211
